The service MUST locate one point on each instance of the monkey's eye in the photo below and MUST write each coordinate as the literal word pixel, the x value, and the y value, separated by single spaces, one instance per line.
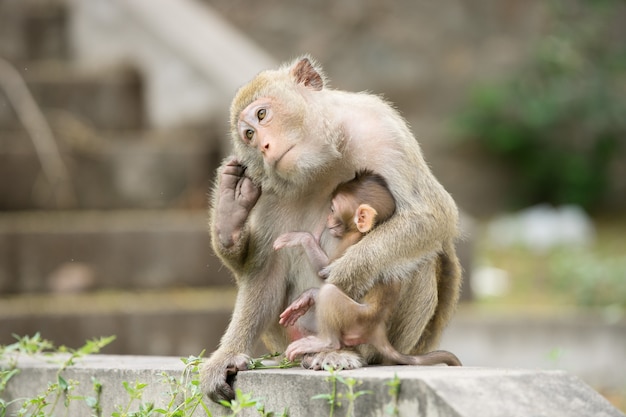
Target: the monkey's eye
pixel 249 134
pixel 260 114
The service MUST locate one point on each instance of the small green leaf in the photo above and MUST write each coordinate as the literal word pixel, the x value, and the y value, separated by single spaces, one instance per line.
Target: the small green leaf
pixel 63 385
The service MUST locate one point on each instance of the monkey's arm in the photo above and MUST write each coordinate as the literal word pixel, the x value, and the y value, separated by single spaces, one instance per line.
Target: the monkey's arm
pixel 313 250
pixel 420 228
pixel 234 197
pixel 257 306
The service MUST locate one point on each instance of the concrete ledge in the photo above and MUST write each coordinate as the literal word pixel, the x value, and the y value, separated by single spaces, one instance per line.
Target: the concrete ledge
pixel 432 391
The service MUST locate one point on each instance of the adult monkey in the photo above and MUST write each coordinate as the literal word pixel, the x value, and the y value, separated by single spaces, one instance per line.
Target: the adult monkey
pixel 294 141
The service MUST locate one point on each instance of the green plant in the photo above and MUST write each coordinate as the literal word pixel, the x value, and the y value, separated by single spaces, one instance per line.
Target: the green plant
pixel 135 393
pixel 330 398
pixel 261 409
pixel 559 121
pixel 243 401
pixel 351 395
pixel 258 363
pixel 394 392
pixel 555 355
pixel 94 402
pixel 185 392
pixel 240 402
pixel 334 398
pixel 45 403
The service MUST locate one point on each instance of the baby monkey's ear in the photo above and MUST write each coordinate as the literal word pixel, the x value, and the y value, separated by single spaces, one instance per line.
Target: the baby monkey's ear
pixel 365 218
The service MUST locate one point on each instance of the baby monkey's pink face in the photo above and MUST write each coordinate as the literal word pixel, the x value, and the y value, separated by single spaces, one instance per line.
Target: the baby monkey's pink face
pixel 339 206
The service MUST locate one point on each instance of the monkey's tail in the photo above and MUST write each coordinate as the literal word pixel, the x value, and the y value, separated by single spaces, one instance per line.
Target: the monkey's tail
pixel 437 357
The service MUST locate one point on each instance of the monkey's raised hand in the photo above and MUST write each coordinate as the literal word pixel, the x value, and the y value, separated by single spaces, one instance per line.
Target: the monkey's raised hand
pixel 237 195
pixel 299 307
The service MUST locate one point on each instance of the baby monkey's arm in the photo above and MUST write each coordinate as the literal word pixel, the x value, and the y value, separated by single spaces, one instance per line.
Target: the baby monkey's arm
pixel 311 246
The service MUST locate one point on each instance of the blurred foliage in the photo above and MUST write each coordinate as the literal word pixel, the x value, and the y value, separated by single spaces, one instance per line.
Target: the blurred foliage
pixel 589 279
pixel 582 276
pixel 559 121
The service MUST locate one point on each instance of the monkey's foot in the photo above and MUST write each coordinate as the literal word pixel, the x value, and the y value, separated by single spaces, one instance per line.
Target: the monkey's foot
pixel 218 372
pixel 336 359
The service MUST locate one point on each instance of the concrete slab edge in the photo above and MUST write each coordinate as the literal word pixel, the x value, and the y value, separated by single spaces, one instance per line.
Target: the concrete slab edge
pixel 423 391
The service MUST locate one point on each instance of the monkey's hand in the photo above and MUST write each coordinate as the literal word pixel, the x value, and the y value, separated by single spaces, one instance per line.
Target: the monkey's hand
pixel 324 273
pixel 218 372
pixel 309 243
pixel 237 196
pixel 309 344
pixel 291 239
pixel 299 307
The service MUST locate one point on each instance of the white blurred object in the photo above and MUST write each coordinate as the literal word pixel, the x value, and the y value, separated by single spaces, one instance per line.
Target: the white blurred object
pixel 490 282
pixel 543 227
pixel 192 59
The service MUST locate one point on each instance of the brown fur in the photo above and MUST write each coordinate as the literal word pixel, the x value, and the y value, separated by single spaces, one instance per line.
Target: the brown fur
pixel 341 321
pixel 312 139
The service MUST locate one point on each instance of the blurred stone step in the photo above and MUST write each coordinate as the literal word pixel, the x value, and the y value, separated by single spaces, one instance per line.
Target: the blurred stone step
pixel 108 99
pixel 179 322
pixel 33 30
pixel 87 250
pixel 112 170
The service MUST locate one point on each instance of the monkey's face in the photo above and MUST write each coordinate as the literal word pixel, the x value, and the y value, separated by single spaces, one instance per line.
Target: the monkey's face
pixel 261 130
pixel 278 134
pixel 335 226
pixel 279 139
pixel 336 220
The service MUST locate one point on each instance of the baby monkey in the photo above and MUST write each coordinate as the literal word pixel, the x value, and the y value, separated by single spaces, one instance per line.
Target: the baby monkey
pixel 357 206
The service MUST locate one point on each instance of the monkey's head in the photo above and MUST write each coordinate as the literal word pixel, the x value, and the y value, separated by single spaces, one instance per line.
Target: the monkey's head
pixel 277 130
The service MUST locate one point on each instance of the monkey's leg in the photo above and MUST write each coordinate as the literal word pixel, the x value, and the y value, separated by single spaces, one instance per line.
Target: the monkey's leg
pixel 380 341
pixel 414 309
pixel 336 313
pixel 448 289
pixel 256 306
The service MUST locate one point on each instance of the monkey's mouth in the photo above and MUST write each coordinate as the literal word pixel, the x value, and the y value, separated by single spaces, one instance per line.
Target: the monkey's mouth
pixel 335 230
pixel 280 158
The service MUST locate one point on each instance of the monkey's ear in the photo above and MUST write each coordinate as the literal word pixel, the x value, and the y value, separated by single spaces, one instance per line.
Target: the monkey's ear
pixel 304 72
pixel 365 218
